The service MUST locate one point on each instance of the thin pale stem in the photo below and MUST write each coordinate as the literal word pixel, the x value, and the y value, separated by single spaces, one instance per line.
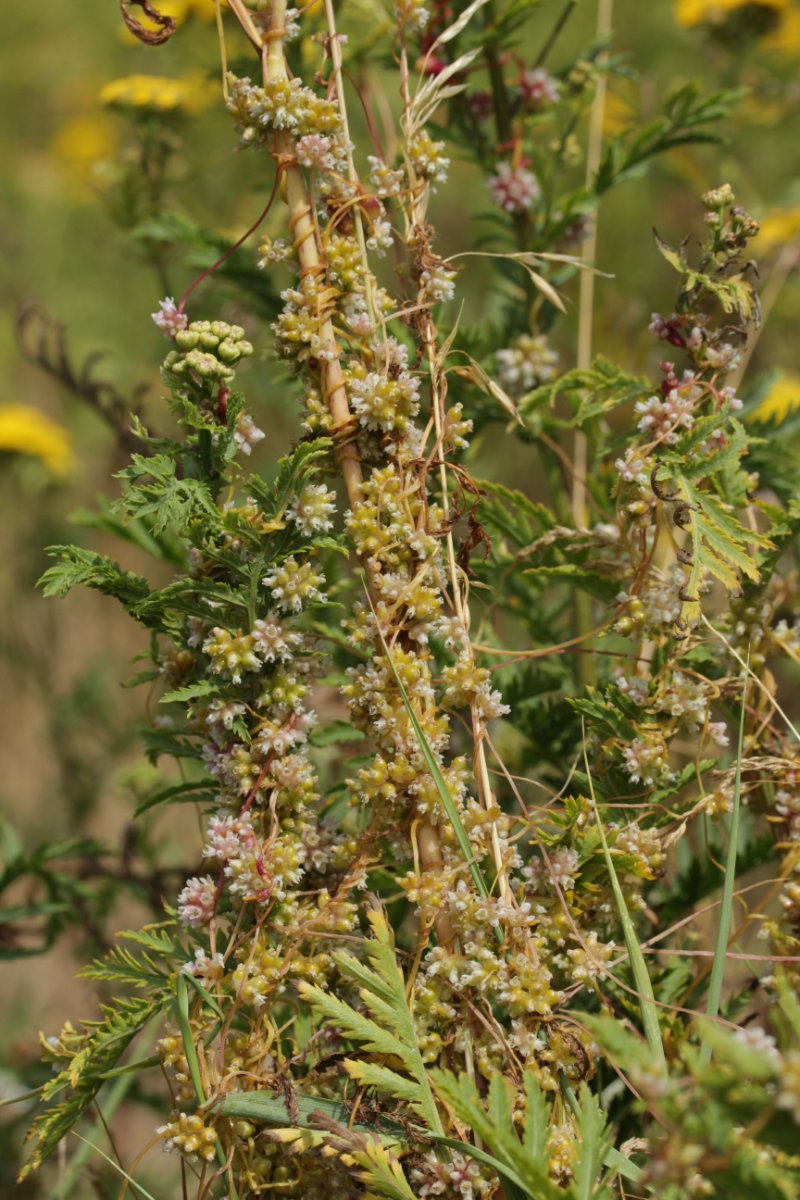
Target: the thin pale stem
pixel 335 49
pixel 580 507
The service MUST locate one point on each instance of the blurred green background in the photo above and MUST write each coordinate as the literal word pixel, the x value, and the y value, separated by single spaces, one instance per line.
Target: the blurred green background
pixel 107 206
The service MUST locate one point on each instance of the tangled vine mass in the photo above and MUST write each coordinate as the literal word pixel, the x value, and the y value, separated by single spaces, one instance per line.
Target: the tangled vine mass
pixel 454 746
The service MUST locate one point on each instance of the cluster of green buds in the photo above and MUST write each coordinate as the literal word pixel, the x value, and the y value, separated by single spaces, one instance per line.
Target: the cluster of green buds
pixel 207 352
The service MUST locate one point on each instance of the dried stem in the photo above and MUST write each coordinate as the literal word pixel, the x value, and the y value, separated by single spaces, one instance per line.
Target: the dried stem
pixel 304 233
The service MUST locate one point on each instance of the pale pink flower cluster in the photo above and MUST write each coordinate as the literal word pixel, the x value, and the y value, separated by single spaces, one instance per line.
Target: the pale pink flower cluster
pixel 646 759
pixel 169 319
pixel 197 901
pixel 247 434
pixel 208 969
pixel 277 738
pixel 538 88
pixel 228 837
pixel 223 713
pixel 634 467
pixel 662 418
pixel 514 189
pixel 559 872
pixel 271 641
pixel 314 150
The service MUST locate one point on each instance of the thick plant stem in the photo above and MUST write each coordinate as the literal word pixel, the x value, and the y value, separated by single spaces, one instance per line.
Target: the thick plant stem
pixel 301 223
pixel 304 235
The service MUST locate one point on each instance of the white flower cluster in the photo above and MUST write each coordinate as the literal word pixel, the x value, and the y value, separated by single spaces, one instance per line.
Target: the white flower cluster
pixel 382 401
pixel 527 362
pixel 663 417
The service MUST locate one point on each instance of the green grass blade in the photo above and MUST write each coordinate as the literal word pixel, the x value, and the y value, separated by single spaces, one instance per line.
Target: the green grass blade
pixel 189 1049
pixel 182 1018
pixel 271 1109
pixel 724 928
pixel 622 1165
pixel 138 1187
pixel 644 986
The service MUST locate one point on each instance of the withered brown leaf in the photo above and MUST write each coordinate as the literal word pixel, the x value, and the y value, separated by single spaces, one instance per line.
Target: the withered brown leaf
pixel 152 37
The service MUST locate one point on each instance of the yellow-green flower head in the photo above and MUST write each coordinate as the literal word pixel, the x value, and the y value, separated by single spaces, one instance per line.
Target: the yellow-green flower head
pixel 25 430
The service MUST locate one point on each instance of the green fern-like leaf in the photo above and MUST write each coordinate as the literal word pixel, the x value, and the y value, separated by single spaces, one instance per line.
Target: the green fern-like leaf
pixel 293 471
pixel 76 566
pixel 523 1164
pixel 103 1045
pixel 159 495
pixel 143 970
pixel 388 1030
pixel 592 1148
pixel 721 546
pixel 382 1173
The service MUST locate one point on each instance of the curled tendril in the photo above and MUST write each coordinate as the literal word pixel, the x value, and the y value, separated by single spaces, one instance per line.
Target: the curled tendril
pixel 657 489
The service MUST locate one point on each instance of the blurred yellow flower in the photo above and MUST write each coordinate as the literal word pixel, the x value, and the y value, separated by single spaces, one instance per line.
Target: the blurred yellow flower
pixel 83 141
pixel 179 10
pixel 159 93
pixel 782 399
pixel 619 112
pixel 775 23
pixel 785 38
pixel 26 430
pixel 715 12
pixel 778 228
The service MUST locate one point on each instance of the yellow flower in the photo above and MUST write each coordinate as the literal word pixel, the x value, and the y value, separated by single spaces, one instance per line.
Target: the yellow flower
pixel 181 9
pixel 778 229
pixel 785 38
pixel 619 112
pixel 25 430
pixel 715 12
pixel 159 94
pixel 782 399
pixel 83 141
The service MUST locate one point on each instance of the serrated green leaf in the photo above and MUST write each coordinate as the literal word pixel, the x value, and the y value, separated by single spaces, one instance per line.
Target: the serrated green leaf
pixel 392 1033
pixel 192 691
pixel 76 566
pixel 384 1079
